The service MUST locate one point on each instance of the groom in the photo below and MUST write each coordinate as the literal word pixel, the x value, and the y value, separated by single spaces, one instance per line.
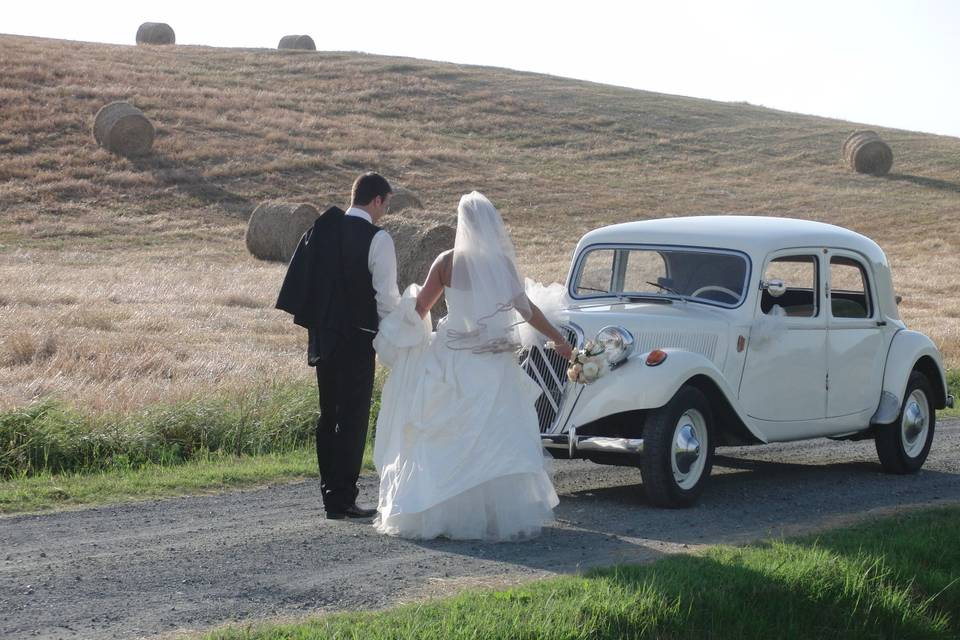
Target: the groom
pixel 341 281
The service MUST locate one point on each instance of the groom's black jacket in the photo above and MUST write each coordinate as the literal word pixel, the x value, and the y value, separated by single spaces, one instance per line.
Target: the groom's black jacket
pixel 328 287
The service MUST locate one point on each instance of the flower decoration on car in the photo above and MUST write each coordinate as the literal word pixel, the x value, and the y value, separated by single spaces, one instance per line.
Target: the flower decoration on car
pixel 587 364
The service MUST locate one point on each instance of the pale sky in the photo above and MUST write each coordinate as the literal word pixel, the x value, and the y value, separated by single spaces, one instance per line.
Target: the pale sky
pixel 884 63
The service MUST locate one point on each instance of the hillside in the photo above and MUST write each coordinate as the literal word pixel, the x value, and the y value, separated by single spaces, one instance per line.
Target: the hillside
pixel 124 282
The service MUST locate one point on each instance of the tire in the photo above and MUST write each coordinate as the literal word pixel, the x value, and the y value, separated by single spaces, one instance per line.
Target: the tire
pixel 904 444
pixel 671 479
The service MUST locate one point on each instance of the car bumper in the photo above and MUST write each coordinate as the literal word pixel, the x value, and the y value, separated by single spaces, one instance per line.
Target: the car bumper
pixel 949 402
pixel 575 444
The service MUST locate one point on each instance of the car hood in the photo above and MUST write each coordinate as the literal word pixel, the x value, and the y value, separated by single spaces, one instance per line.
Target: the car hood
pixel 690 326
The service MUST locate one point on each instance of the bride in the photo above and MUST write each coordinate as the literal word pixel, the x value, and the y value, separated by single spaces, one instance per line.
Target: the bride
pixel 458 446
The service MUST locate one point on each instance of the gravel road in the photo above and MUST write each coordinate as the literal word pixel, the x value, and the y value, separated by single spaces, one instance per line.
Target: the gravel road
pixel 154 568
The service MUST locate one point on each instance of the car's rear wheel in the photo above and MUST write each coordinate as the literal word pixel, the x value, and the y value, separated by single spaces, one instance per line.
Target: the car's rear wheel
pixel 678 449
pixel 904 444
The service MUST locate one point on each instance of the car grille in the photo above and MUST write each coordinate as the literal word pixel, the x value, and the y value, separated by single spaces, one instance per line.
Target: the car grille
pixel 549 370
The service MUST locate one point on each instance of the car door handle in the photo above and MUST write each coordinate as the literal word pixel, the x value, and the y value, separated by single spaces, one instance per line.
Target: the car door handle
pixel 881 323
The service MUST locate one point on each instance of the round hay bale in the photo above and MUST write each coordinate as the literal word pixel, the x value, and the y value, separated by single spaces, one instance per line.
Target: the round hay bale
pixel 865 152
pixel 122 128
pixel 419 238
pixel 403 199
pixel 850 138
pixel 156 33
pixel 302 43
pixel 275 228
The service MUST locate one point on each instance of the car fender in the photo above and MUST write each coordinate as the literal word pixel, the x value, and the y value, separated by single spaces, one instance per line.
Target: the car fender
pixel 907 349
pixel 634 386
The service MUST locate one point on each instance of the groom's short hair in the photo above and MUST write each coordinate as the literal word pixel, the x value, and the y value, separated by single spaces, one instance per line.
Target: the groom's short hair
pixel 367 187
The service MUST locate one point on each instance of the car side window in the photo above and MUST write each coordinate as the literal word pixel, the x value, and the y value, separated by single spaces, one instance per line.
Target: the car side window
pixel 849 290
pixel 800 275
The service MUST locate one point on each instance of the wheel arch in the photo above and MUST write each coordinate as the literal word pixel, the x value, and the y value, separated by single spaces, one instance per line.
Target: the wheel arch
pixel 729 428
pixel 928 367
pixel 909 351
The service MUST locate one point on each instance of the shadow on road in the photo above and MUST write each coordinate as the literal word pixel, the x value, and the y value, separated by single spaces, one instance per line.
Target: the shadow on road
pixel 746 499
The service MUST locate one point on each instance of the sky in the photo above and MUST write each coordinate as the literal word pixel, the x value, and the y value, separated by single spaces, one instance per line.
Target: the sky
pixel 884 63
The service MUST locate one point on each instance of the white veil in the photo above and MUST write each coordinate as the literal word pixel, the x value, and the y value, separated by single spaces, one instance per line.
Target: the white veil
pixel 486 299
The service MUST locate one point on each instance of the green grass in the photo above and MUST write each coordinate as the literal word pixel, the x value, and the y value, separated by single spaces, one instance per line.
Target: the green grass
pixel 209 472
pixel 51 438
pixel 953 384
pixel 55 457
pixel 890 578
pixel 206 473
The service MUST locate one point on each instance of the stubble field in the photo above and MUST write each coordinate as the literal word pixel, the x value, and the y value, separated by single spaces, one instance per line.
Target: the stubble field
pixel 126 283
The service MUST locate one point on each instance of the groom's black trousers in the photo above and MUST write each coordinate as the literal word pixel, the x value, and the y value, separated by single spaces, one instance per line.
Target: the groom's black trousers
pixel 345 384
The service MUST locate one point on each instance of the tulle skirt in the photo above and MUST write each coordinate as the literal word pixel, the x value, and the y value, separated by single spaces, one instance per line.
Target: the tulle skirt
pixel 513 507
pixel 457 441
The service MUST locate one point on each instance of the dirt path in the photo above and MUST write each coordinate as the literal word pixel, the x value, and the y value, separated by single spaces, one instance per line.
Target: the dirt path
pixel 192 563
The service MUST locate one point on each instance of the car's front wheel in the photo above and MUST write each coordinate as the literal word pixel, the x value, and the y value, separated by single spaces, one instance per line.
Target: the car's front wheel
pixel 678 449
pixel 903 445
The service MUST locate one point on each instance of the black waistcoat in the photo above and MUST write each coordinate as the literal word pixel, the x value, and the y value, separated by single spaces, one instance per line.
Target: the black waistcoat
pixel 359 295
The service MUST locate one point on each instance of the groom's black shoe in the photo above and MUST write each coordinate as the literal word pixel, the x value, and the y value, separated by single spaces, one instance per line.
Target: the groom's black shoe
pixel 353 511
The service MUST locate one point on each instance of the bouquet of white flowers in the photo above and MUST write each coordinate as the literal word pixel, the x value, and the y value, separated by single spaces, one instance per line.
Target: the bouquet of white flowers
pixel 587 364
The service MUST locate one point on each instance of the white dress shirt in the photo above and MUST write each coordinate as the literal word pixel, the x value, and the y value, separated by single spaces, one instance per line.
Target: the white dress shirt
pixel 382 262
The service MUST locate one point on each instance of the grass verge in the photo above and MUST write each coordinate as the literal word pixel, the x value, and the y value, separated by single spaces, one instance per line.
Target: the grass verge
pixel 53 456
pixel 209 473
pixel 953 387
pixel 890 578
pixel 50 437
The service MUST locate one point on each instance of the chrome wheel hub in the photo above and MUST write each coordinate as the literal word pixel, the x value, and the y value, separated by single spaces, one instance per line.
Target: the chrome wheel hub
pixel 689 454
pixel 915 423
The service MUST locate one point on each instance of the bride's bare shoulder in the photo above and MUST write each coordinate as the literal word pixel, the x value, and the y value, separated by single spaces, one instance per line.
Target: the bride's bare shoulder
pixel 443 264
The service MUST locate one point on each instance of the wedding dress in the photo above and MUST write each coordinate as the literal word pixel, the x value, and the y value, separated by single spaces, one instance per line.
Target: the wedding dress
pixel 457 443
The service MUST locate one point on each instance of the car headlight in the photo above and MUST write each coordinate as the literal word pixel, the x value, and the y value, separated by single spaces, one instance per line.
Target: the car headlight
pixel 617 344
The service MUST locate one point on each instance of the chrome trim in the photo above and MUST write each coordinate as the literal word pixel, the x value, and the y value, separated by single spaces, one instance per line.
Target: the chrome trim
pixel 686 448
pixel 578 334
pixel 915 423
pixel 888 410
pixel 689 454
pixel 625 337
pixel 774 287
pixel 574 444
pixel 554 386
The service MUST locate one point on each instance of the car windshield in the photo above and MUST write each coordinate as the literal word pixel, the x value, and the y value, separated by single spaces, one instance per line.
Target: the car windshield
pixel 699 275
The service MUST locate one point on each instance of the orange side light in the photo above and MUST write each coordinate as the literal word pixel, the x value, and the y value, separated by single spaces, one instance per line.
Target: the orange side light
pixel 655 357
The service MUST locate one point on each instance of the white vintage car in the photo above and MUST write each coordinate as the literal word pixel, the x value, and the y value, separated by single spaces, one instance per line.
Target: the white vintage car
pixel 734 330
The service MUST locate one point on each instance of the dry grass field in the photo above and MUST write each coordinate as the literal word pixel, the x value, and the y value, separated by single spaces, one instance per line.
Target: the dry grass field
pixel 126 282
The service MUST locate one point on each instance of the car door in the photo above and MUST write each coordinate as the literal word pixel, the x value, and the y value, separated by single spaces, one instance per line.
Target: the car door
pixel 785 371
pixel 856 336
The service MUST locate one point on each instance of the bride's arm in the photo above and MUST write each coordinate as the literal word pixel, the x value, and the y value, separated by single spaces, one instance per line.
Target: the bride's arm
pixel 539 322
pixel 433 286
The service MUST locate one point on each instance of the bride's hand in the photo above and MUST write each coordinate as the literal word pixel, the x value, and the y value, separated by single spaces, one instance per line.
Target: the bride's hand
pixel 564 349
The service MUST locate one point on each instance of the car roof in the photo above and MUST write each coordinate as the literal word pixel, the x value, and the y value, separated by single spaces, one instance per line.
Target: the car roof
pixel 754 235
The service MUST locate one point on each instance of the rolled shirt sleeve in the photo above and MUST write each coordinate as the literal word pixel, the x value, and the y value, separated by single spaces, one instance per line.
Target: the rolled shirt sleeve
pixel 382 262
